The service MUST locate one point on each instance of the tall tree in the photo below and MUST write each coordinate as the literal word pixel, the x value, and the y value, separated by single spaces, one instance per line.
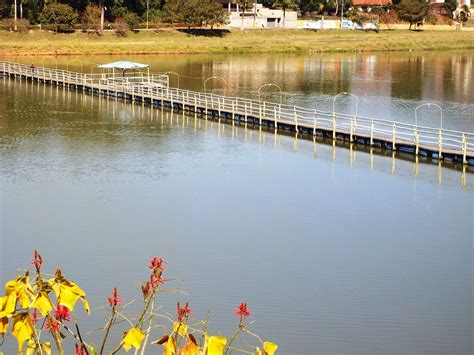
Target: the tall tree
pixel 451 6
pixel 244 6
pixel 412 11
pixel 195 13
pixel 62 16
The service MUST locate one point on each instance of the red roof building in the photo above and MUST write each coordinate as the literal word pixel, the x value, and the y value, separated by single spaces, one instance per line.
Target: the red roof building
pixel 370 3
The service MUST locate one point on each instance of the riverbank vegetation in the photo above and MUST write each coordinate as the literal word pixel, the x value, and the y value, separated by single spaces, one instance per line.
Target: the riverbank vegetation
pixel 256 41
pixel 125 15
pixel 40 311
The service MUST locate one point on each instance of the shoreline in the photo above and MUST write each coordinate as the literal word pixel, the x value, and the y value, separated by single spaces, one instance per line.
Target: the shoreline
pixel 163 42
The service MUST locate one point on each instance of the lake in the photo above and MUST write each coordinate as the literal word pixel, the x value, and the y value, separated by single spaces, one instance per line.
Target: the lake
pixel 336 251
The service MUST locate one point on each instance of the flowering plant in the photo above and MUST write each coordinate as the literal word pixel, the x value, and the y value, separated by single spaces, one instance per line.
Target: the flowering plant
pixel 41 307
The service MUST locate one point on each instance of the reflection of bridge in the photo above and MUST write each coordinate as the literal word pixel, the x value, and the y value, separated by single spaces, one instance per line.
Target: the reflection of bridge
pixel 427 142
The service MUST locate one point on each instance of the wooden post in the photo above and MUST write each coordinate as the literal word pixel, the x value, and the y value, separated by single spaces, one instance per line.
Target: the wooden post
pixel 464 149
pixel 372 133
pixel 195 103
pixel 354 130
pixel 351 130
pixel 440 145
pixel 276 122
pixel 314 124
pixel 296 118
pixel 416 142
pixel 334 125
pixel 394 136
pixel 245 112
pixel 260 113
pixel 233 113
pixel 206 107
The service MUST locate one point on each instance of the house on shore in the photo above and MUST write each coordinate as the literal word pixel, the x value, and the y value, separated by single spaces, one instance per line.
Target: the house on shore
pixel 367 5
pixel 257 16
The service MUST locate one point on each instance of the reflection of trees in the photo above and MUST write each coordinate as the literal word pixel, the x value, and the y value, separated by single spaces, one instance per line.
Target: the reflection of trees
pixel 407 74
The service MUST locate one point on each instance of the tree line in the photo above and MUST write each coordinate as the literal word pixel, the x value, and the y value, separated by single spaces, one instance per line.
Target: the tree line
pixel 128 14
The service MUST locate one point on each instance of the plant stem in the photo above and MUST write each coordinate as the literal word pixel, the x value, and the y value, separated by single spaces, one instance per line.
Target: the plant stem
pixel 232 339
pixel 107 331
pixel 150 318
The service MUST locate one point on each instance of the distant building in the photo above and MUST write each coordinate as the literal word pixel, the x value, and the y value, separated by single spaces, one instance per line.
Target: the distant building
pixel 368 4
pixel 469 3
pixel 258 16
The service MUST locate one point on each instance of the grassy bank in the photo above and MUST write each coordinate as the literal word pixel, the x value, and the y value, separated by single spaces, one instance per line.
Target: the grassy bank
pixel 257 41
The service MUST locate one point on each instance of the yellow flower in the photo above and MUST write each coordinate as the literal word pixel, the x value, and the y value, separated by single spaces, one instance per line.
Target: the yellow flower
pixel 180 328
pixel 67 292
pixel 215 345
pixel 32 348
pixel 22 329
pixel 133 337
pixel 43 303
pixel 191 347
pixel 170 347
pixel 269 348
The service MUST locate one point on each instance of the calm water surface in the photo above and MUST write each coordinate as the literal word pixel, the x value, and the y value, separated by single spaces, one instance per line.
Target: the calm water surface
pixel 336 251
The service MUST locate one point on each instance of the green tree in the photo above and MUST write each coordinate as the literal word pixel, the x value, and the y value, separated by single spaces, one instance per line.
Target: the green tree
pixel 217 15
pixel 244 6
pixel 90 18
pixel 451 6
pixel 61 16
pixel 195 13
pixel 132 19
pixel 308 6
pixel 412 11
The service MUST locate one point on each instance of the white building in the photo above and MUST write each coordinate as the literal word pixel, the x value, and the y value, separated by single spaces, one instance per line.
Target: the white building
pixel 258 16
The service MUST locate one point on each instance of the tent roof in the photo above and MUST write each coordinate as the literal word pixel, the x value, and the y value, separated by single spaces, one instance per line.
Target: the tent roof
pixel 123 65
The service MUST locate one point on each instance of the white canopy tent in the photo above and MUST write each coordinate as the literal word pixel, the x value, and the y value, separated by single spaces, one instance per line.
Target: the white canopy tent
pixel 123 66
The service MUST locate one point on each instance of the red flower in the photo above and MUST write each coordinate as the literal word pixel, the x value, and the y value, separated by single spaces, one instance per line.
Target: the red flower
pixel 156 263
pixel 146 290
pixel 34 316
pixel 79 350
pixel 115 300
pixel 62 313
pixel 37 261
pixel 242 310
pixel 183 312
pixel 156 280
pixel 52 325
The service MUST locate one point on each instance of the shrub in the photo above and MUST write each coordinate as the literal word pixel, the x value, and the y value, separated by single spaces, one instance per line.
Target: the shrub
pixel 61 16
pixel 90 18
pixel 121 27
pixel 21 25
pixel 431 18
pixel 132 20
